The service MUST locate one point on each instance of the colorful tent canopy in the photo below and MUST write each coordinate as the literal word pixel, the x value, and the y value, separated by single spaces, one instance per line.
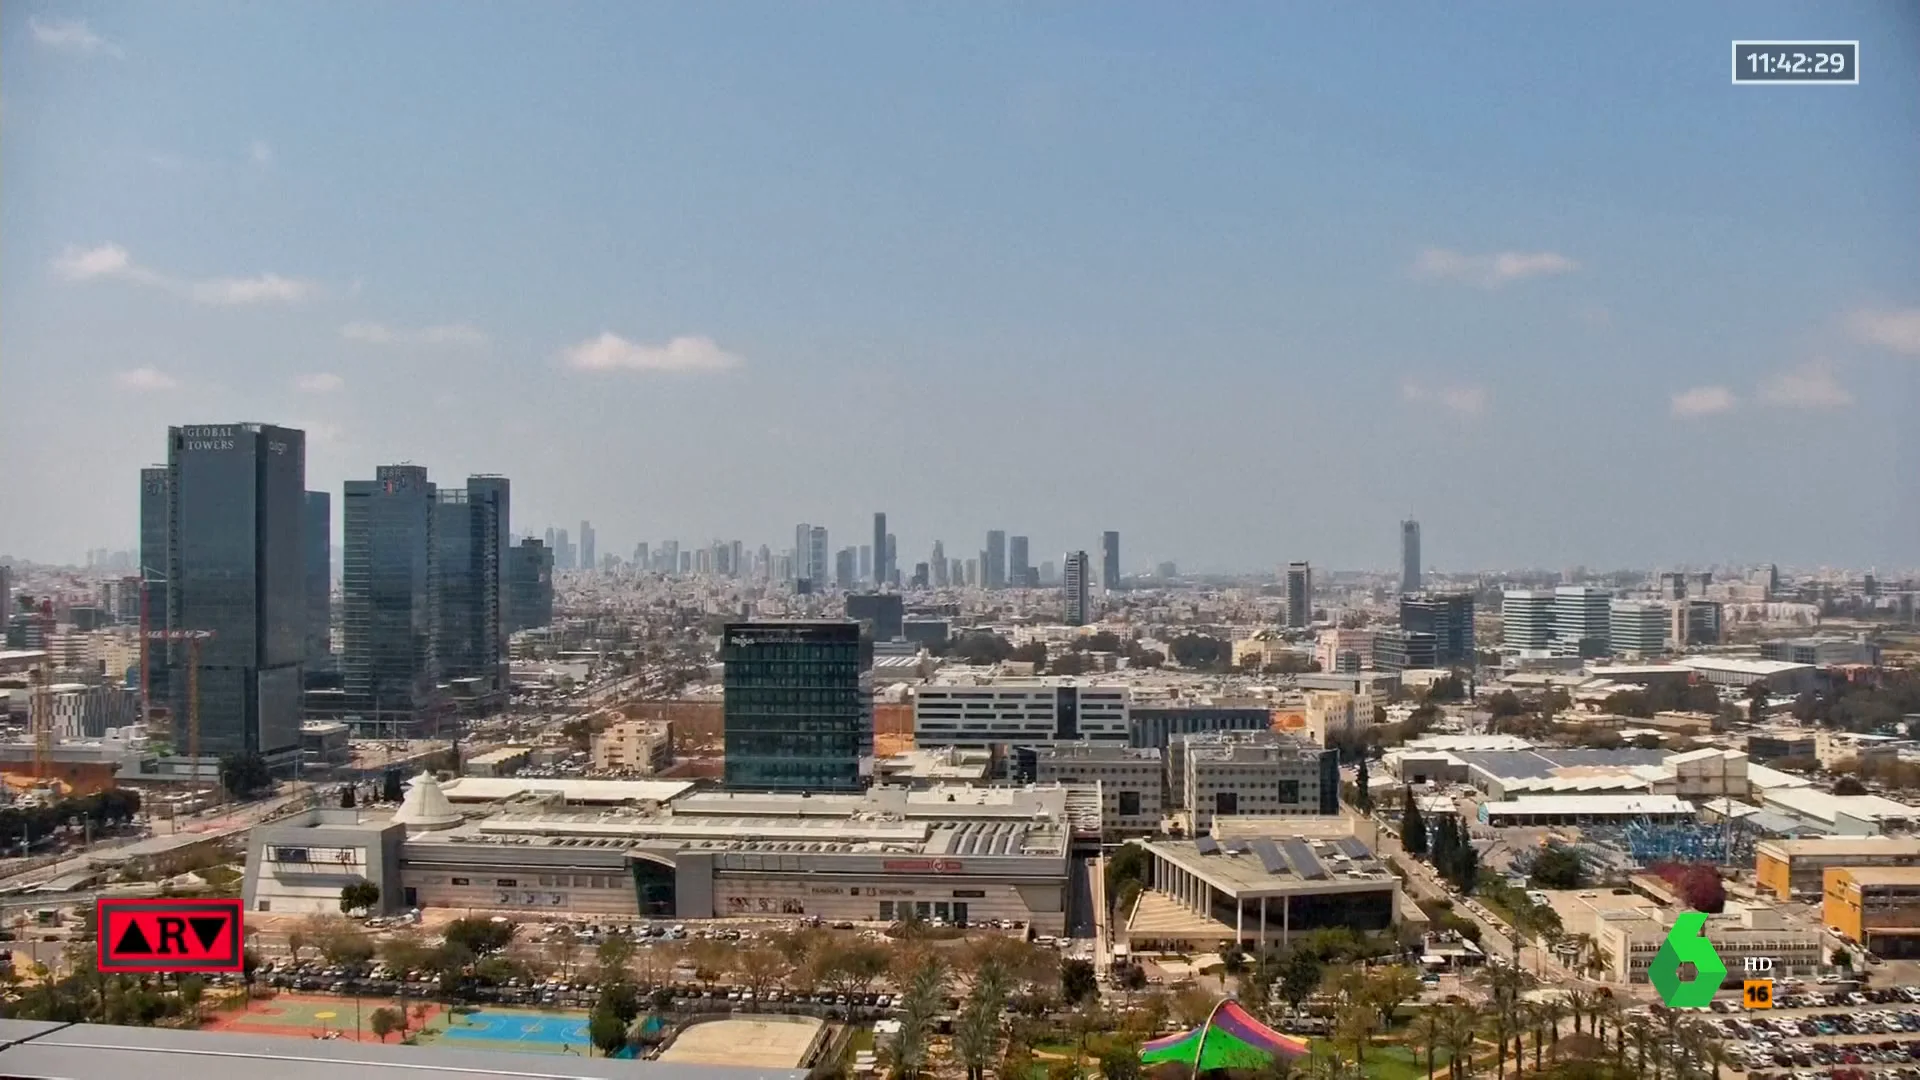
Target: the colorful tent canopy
pixel 1230 1039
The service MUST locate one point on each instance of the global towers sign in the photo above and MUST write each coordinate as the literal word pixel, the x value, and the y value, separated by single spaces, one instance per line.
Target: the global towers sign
pixel 1686 943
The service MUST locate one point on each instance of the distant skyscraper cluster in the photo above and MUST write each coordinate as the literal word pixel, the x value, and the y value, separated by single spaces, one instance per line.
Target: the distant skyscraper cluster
pixel 1587 620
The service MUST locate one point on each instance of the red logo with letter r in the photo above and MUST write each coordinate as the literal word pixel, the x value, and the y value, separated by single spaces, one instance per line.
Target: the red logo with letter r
pixel 170 935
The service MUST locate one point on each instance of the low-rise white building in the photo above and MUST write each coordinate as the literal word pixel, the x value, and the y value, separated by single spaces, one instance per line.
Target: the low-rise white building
pixel 1029 713
pixel 1130 779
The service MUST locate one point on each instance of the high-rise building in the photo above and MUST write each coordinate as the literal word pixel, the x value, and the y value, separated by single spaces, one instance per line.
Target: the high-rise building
pixel 956 572
pixel 670 557
pixel 316 527
pixel 1409 556
pixel 236 566
pixel 390 600
pixel 1403 650
pixel 1110 560
pixel 1017 562
pixel 893 561
pixel 866 563
pixel 498 490
pixel 564 553
pixel 530 580
pixel 587 558
pixel 1526 617
pixel 1299 595
pixel 1673 586
pixel 1449 618
pixel 883 569
pixel 973 568
pixel 470 639
pixel 940 567
pixel 156 531
pixel 844 563
pixel 920 575
pixel 817 557
pixel 1079 578
pixel 1639 627
pixel 738 554
pixel 795 706
pixel 993 561
pixel 1582 620
pixel 802 547
pixel 1704 624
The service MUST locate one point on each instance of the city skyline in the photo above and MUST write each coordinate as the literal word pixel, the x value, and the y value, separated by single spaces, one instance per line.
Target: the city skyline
pixel 1465 269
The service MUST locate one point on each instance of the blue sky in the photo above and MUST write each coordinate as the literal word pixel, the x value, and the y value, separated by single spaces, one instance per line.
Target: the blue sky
pixel 1247 282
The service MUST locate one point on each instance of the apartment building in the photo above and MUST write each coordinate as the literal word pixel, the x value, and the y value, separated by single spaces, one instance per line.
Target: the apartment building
pixel 633 746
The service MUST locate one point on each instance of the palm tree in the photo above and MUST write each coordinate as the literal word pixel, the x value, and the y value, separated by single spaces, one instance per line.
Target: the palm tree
pixel 1716 1055
pixel 1429 1032
pixel 1457 1036
pixel 1642 1038
pixel 1551 1011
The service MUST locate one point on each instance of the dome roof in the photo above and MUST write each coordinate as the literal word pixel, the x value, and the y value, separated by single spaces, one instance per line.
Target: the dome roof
pixel 426 806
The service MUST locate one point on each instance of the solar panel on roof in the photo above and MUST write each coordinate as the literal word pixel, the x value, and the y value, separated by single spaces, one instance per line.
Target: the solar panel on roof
pixel 1352 847
pixel 1237 847
pixel 1270 858
pixel 1207 845
pixel 1302 858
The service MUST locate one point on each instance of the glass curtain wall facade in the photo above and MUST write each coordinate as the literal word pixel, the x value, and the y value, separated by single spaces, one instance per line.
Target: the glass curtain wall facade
pixel 236 566
pixel 390 598
pixel 793 707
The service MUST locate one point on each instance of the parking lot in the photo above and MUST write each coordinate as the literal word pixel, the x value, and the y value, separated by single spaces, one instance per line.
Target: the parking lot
pixel 1873 1029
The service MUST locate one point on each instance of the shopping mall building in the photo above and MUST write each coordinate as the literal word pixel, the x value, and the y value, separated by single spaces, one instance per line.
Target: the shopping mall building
pixel 960 854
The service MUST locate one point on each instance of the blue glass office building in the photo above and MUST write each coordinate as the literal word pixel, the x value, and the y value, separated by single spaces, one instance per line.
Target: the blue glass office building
pixel 389 602
pixel 236 566
pixel 794 709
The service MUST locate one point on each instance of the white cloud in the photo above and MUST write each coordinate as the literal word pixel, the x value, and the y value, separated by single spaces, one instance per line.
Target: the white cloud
pixel 111 261
pixel 373 333
pixel 145 379
pixel 73 36
pixel 85 264
pixel 1464 400
pixel 324 382
pixel 1808 387
pixel 1704 401
pixel 1895 330
pixel 611 352
pixel 260 154
pixel 266 288
pixel 1493 270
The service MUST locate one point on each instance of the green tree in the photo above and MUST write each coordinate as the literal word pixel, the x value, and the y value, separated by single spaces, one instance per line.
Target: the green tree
pixel 1757 695
pixel 1362 787
pixel 245 775
pixel 1299 977
pixel 385 1021
pixel 1557 867
pixel 615 955
pixel 346 796
pixel 1077 981
pixel 1033 652
pixel 607 1031
pixel 480 936
pixel 360 895
pixel 390 787
pixel 1413 827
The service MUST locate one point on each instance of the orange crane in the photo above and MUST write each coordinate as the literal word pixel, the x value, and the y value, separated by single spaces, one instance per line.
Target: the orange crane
pixel 193 638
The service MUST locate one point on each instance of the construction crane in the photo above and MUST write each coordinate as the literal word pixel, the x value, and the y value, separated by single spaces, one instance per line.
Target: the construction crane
pixel 193 638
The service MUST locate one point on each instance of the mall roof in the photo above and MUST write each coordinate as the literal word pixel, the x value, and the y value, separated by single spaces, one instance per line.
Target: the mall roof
pixel 1825 806
pixel 36 1048
pixel 502 788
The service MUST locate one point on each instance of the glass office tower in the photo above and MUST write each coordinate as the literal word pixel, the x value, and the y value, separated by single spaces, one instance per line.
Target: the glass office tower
pixel 389 599
pixel 236 566
pixel 794 709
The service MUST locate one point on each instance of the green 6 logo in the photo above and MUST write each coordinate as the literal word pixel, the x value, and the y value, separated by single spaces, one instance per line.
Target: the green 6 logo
pixel 1685 944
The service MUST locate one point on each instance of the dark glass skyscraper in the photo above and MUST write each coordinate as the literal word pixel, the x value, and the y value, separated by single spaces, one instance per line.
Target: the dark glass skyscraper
pixel 468 532
pixel 993 571
pixel 389 599
pixel 236 565
pixel 1110 560
pixel 794 709
pixel 880 568
pixel 1019 565
pixel 1409 556
pixel 156 531
pixel 530 579
pixel 1449 618
pixel 316 529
